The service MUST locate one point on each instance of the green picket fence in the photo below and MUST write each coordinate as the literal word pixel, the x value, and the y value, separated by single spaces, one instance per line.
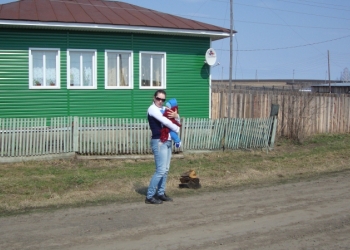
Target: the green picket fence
pixel 115 136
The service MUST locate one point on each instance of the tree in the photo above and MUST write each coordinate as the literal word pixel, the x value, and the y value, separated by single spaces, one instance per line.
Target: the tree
pixel 345 75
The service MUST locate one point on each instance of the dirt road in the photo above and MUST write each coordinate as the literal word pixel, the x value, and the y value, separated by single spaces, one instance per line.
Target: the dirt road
pixel 312 214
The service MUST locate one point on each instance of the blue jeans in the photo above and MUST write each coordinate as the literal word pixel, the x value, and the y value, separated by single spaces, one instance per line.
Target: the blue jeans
pixel 162 157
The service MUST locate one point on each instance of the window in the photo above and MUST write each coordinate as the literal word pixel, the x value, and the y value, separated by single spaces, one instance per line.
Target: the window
pixel 118 69
pixel 152 70
pixel 81 69
pixel 44 71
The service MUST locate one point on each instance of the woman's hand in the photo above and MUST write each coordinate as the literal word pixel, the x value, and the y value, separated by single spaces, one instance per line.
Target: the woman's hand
pixel 172 114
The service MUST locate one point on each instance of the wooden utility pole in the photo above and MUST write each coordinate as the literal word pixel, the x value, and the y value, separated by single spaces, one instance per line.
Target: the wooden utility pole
pixel 231 60
pixel 329 75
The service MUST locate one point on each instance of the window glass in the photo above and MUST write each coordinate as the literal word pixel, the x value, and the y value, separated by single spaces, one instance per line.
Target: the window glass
pixel 44 69
pixel 124 69
pixel 38 67
pixel 118 69
pixel 112 70
pixel 152 70
pixel 81 71
pixel 145 70
pixel 87 69
pixel 51 71
pixel 74 68
pixel 157 70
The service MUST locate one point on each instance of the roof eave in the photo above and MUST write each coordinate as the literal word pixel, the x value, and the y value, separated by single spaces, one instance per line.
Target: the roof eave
pixel 214 35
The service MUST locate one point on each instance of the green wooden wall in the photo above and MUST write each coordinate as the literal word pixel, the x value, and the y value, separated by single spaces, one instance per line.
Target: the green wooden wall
pixel 187 75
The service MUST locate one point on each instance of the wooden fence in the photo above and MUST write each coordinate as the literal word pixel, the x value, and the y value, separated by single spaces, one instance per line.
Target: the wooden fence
pixel 299 112
pixel 112 136
pixel 32 136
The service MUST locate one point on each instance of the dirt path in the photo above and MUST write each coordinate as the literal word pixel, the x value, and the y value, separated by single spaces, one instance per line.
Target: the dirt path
pixel 305 215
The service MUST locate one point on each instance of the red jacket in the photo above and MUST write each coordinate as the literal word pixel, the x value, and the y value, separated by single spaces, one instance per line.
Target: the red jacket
pixel 164 133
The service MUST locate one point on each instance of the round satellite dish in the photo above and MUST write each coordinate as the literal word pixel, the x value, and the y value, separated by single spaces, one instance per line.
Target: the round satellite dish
pixel 210 57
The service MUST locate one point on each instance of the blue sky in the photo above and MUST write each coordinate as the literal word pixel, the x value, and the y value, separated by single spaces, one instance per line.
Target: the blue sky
pixel 276 39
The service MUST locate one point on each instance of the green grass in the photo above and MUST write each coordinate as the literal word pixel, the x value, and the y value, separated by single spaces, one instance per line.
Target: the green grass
pixel 28 186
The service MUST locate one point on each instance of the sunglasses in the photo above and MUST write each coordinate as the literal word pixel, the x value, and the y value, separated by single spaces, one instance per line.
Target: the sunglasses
pixel 160 99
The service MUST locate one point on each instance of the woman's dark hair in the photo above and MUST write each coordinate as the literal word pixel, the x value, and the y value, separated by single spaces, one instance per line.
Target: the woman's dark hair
pixel 159 91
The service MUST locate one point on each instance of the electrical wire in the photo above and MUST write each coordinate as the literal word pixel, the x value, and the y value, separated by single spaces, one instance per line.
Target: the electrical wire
pixel 317 4
pixel 291 11
pixel 296 46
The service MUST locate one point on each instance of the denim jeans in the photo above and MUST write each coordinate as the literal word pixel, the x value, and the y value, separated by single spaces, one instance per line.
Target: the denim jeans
pixel 162 157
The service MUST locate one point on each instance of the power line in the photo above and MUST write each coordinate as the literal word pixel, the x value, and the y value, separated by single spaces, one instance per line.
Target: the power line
pixel 297 26
pixel 326 5
pixel 291 11
pixel 297 46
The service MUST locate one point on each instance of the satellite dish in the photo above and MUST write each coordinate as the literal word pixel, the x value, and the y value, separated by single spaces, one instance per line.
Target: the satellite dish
pixel 210 57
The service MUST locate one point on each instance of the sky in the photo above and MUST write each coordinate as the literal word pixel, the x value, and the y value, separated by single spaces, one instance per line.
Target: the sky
pixel 275 39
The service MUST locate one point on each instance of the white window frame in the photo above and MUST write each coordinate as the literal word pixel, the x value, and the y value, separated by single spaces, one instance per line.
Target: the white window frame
pixel 44 85
pixel 130 71
pixel 163 70
pixel 94 69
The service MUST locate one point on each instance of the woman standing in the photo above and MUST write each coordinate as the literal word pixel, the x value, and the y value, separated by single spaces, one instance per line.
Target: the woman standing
pixel 161 150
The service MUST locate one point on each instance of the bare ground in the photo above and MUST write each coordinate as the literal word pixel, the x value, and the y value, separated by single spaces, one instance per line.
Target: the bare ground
pixel 309 214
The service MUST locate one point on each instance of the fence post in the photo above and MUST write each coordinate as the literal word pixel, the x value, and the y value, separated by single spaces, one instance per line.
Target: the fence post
pixel 75 133
pixel 274 114
pixel 273 132
pixel 224 139
pixel 181 133
pixel 274 110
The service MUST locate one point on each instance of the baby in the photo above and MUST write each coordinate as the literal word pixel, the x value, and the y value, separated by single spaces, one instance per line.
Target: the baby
pixel 171 104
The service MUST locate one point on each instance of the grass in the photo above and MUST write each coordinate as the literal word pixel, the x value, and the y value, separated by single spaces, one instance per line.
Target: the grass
pixel 29 186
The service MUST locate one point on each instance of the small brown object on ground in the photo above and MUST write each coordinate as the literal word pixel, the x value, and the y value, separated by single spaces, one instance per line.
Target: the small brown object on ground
pixel 189 179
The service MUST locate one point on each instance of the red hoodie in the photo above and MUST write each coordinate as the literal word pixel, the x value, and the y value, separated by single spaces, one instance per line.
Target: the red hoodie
pixel 164 133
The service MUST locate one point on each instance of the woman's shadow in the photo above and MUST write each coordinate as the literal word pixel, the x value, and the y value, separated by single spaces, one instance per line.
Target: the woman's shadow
pixel 139 188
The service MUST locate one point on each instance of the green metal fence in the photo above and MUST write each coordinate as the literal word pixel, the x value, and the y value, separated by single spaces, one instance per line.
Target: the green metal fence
pixel 115 136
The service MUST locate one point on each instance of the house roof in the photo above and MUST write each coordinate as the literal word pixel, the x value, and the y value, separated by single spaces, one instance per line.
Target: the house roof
pixel 102 15
pixel 334 84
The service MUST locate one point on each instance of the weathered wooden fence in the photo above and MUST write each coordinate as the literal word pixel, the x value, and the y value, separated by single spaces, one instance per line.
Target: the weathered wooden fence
pixel 32 136
pixel 309 113
pixel 112 136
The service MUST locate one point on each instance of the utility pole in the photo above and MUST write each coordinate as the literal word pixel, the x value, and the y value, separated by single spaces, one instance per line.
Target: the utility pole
pixel 329 75
pixel 231 59
pixel 222 73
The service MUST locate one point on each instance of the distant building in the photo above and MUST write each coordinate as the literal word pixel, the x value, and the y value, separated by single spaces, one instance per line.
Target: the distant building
pixel 335 87
pixel 268 84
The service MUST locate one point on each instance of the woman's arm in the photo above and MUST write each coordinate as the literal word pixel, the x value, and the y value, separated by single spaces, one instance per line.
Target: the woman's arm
pixel 155 112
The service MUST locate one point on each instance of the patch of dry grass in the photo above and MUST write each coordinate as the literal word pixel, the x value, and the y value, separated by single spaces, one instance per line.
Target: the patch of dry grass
pixel 49 184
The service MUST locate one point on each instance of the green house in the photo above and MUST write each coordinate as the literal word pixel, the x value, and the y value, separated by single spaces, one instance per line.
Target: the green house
pixel 96 58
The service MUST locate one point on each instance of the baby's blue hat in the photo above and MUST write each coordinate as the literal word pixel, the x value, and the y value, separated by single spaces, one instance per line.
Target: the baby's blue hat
pixel 171 103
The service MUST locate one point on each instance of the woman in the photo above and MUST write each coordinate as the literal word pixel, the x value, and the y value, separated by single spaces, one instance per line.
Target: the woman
pixel 161 150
